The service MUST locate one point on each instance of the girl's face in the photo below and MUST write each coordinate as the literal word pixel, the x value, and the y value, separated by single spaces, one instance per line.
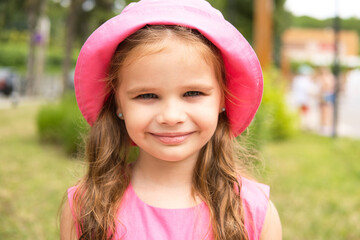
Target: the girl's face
pixel 170 101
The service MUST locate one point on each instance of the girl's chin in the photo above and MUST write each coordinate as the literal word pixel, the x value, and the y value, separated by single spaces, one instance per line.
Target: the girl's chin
pixel 172 155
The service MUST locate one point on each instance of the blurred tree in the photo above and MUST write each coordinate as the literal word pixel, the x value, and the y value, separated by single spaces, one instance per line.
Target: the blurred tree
pixel 218 4
pixel 241 15
pixel 74 12
pixel 12 14
pixel 263 31
pixel 92 14
pixel 57 14
pixel 30 15
pixel 35 10
pixel 309 22
pixel 282 20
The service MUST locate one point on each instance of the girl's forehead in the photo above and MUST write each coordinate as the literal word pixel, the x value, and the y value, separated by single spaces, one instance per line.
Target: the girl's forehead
pixel 190 49
pixel 175 64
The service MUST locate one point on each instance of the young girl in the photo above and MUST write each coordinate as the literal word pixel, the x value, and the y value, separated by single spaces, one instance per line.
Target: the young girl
pixel 178 81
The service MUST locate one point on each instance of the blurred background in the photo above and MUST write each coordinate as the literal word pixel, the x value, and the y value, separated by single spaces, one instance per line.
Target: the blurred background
pixel 306 133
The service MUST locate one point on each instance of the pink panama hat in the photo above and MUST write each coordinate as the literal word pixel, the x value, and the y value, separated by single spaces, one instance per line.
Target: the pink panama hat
pixel 243 72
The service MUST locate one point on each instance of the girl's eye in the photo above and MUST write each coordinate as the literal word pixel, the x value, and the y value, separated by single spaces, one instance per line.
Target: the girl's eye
pixel 192 94
pixel 147 96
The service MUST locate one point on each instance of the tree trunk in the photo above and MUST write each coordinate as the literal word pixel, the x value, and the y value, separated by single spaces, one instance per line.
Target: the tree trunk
pixel 35 64
pixel 30 74
pixel 263 31
pixel 73 16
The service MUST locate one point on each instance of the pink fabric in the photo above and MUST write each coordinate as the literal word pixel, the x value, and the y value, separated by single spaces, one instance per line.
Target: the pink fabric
pixel 255 197
pixel 138 220
pixel 243 71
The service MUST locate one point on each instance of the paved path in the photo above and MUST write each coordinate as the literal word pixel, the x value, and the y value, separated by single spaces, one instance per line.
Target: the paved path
pixel 349 109
pixel 6 103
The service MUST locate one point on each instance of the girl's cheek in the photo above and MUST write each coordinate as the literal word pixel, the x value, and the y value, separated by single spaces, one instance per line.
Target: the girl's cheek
pixel 208 109
pixel 138 114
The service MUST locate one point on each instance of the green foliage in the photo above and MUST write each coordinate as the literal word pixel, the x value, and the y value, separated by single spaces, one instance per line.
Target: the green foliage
pixel 15 55
pixel 282 20
pixel 14 36
pixel 12 15
pixel 273 121
pixel 54 59
pixel 218 4
pixel 309 22
pixel 33 176
pixel 62 123
pixel 240 14
pixel 295 65
pixel 314 185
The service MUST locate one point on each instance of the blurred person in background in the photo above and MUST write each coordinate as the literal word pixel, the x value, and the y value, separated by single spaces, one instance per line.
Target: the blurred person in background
pixel 304 91
pixel 326 81
pixel 9 85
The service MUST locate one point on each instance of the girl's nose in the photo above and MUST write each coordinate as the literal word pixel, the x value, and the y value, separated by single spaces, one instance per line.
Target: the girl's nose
pixel 171 113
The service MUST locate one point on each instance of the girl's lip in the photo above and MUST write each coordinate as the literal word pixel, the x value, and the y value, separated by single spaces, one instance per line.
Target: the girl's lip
pixel 172 138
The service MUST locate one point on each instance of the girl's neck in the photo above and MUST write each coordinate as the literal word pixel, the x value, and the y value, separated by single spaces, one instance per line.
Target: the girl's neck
pixel 164 184
pixel 153 172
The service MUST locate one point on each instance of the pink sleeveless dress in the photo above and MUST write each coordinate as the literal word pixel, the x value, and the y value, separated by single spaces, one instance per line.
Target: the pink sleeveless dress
pixel 139 221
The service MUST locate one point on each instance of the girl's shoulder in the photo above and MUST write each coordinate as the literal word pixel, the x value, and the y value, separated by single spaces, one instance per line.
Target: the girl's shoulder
pixel 255 198
pixel 253 191
pixel 71 193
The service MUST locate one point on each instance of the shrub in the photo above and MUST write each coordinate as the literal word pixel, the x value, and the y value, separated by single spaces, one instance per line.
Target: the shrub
pixel 49 120
pixel 15 55
pixel 273 121
pixel 62 123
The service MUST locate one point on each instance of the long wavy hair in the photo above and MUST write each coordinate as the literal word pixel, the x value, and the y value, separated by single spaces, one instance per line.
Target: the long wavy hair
pixel 216 175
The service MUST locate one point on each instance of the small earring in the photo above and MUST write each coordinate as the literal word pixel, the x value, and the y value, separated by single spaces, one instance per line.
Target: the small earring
pixel 120 115
pixel 223 109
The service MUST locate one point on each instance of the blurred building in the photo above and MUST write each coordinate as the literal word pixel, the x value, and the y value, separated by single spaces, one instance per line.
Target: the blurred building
pixel 317 46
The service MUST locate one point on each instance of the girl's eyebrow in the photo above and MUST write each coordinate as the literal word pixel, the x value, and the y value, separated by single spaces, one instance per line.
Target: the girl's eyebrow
pixel 201 87
pixel 137 90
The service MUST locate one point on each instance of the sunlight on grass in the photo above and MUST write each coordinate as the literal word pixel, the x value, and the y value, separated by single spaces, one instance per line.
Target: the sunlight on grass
pixel 315 186
pixel 33 177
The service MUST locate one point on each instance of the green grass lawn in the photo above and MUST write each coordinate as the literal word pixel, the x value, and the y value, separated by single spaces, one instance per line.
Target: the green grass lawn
pixel 315 186
pixel 314 182
pixel 33 178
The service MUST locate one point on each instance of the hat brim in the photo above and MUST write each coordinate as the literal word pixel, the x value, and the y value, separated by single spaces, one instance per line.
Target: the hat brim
pixel 243 72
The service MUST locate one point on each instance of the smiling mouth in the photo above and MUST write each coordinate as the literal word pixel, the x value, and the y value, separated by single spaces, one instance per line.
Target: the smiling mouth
pixel 172 138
